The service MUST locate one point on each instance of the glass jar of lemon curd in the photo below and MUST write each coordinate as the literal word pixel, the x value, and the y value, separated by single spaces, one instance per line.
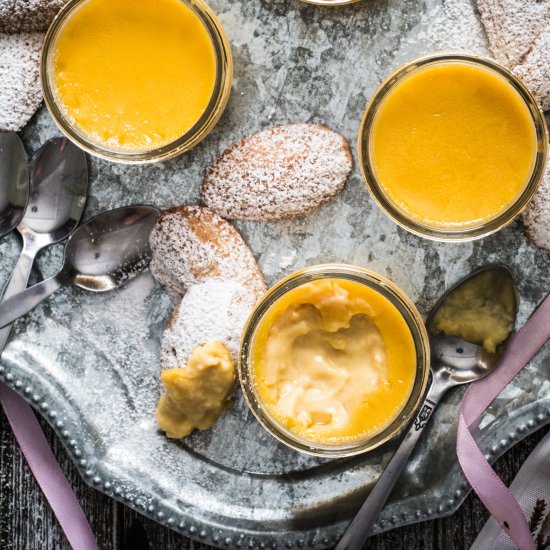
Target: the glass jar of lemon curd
pixel 334 360
pixel 136 82
pixel 452 146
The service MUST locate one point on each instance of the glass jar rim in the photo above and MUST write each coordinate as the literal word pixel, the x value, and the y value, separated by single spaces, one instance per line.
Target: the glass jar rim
pixel 211 115
pixel 330 2
pixel 407 310
pixel 468 233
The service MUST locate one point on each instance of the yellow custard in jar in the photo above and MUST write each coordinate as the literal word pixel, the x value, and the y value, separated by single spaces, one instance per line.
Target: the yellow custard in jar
pixel 452 144
pixel 134 75
pixel 334 361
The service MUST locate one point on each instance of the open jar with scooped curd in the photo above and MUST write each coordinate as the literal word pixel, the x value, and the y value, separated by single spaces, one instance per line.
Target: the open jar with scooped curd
pixel 136 80
pixel 334 360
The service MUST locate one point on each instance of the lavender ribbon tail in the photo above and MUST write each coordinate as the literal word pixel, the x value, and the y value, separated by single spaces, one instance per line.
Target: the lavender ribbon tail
pixel 47 472
pixel 489 487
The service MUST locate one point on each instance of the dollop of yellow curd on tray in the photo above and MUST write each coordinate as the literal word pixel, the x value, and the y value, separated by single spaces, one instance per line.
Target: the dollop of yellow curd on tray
pixel 452 145
pixel 134 75
pixel 334 361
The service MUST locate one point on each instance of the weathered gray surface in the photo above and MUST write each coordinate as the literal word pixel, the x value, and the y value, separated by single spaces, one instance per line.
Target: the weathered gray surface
pixel 90 362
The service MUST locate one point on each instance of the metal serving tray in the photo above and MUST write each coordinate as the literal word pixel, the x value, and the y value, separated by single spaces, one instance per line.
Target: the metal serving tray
pixel 89 363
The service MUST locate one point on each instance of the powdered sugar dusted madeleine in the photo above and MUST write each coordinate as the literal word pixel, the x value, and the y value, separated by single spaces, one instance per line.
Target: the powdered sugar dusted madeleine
pixel 27 16
pixel 20 93
pixel 279 173
pixel 519 36
pixel 213 311
pixel 513 26
pixel 191 245
pixel 536 217
pixel 535 68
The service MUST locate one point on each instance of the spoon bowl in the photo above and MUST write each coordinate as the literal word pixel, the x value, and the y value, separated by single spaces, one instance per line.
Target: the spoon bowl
pixel 57 196
pixel 101 255
pixel 464 361
pixel 58 192
pixel 14 181
pixel 111 248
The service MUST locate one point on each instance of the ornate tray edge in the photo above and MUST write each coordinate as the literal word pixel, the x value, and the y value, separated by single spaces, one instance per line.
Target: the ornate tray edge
pixel 221 535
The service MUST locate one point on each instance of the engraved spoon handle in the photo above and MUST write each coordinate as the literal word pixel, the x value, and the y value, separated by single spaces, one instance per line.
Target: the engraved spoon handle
pixel 17 283
pixel 20 304
pixel 358 530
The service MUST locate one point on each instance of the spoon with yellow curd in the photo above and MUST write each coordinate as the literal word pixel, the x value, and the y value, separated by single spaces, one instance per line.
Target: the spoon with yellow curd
pixel 469 328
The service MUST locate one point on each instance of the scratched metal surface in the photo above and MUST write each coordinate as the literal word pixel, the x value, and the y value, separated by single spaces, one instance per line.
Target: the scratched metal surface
pixel 89 363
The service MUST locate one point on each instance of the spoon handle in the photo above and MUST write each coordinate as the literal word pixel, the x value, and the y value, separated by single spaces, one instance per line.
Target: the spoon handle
pixel 358 530
pixel 17 282
pixel 20 304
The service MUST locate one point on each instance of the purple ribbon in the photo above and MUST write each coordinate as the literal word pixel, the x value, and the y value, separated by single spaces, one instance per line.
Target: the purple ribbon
pixel 489 487
pixel 46 470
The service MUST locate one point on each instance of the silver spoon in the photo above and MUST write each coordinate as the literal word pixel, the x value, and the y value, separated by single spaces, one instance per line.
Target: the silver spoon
pixel 14 181
pixel 101 255
pixel 58 191
pixel 454 362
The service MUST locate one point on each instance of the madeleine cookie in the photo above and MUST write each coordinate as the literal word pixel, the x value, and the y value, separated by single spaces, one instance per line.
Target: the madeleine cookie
pixel 535 69
pixel 513 26
pixel 191 245
pixel 536 217
pixel 214 311
pixel 20 93
pixel 27 16
pixel 279 173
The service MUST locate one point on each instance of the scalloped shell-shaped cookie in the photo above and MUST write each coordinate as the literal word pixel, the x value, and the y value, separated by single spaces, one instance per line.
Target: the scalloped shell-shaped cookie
pixel 279 173
pixel 20 94
pixel 191 245
pixel 536 217
pixel 213 311
pixel 513 26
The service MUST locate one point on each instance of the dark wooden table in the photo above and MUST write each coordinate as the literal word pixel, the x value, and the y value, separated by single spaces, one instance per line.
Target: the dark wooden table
pixel 27 523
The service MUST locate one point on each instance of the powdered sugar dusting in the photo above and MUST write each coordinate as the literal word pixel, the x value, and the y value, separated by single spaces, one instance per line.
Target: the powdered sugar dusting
pixel 536 217
pixel 512 26
pixel 27 15
pixel 535 69
pixel 214 311
pixel 102 378
pixel 20 93
pixel 191 244
pixel 281 172
pixel 448 25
